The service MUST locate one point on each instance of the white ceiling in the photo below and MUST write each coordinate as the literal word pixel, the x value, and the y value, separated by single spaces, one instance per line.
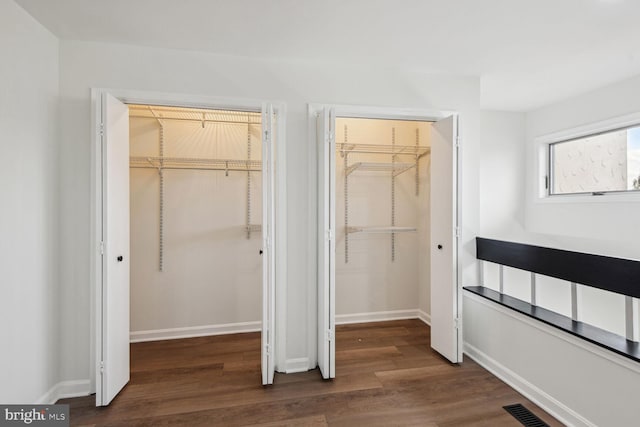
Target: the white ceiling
pixel 527 53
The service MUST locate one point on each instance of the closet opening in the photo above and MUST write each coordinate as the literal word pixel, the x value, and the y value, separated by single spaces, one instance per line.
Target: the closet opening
pixel 196 215
pixel 185 204
pixel 382 220
pixel 387 227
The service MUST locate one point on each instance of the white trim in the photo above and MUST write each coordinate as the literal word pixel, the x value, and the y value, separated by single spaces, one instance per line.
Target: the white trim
pixel 312 234
pixel 607 197
pixel 65 389
pixel 186 100
pixel 458 154
pixel 425 317
pixel 297 365
pixel 281 235
pixel 538 396
pixel 195 331
pixel 195 101
pixel 377 316
pixel 565 336
pixel 388 113
pixel 95 265
pixel 591 128
pixel 541 146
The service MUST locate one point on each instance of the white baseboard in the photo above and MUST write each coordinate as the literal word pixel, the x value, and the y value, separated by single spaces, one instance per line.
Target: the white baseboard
pixel 63 390
pixel 194 331
pixel 554 407
pixel 297 365
pixel 377 316
pixel 425 317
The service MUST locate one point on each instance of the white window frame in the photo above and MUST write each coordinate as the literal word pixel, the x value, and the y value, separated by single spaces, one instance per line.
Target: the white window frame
pixel 543 162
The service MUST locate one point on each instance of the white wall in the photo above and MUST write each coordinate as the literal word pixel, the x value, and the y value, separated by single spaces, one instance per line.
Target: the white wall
pixel 212 273
pixel 28 216
pixel 605 226
pixel 86 65
pixel 502 162
pixel 579 384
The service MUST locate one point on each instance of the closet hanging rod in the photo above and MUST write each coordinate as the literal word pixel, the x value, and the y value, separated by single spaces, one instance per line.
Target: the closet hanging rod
pixel 246 122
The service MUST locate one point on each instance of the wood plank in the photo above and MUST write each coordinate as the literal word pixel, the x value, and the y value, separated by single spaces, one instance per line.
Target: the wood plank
pixel 386 375
pixel 311 421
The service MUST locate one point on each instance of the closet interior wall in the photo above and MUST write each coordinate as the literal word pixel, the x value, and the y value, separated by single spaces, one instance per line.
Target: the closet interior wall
pixel 368 281
pixel 211 269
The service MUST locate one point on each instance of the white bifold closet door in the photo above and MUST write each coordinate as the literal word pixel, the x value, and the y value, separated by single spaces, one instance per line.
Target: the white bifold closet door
pixel 268 244
pixel 326 242
pixel 112 314
pixel 446 337
pixel 112 370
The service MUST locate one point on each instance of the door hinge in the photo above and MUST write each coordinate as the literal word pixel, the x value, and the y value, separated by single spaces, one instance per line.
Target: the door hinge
pixel 457 323
pixel 266 135
pixel 456 230
pixel 330 235
pixel 458 141
pixel 102 367
pixel 329 334
pixel 101 129
pixel 267 349
pixel 329 136
pixel 101 248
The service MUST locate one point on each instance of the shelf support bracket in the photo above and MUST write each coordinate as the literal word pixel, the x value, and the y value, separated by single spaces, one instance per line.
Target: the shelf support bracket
pixel 248 215
pixel 393 194
pixel 346 198
pixel 417 162
pixel 161 200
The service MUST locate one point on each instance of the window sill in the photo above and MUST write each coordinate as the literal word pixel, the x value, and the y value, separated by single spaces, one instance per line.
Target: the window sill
pixel 613 197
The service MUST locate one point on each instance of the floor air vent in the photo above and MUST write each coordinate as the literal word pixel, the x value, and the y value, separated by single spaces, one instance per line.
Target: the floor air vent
pixel 526 417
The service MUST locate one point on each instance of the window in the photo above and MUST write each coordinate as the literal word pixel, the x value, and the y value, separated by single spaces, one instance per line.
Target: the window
pixel 596 163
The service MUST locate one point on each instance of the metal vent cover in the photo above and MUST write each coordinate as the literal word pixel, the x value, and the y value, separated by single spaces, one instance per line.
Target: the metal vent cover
pixel 526 417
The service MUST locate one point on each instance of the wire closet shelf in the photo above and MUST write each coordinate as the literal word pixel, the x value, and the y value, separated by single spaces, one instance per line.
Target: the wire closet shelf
pixel 195 163
pixel 410 156
pixel 163 114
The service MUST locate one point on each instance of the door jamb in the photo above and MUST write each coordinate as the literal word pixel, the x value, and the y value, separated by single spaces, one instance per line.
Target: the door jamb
pixel 193 101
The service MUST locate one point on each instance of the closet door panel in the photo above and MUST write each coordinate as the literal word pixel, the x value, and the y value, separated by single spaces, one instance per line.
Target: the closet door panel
pixel 444 291
pixel 268 245
pixel 326 242
pixel 114 360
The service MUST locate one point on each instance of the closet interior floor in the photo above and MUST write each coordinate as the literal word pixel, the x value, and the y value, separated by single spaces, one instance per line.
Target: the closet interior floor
pixel 386 374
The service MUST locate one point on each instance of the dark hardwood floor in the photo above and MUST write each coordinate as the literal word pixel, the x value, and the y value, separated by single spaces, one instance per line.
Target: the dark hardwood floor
pixel 386 375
